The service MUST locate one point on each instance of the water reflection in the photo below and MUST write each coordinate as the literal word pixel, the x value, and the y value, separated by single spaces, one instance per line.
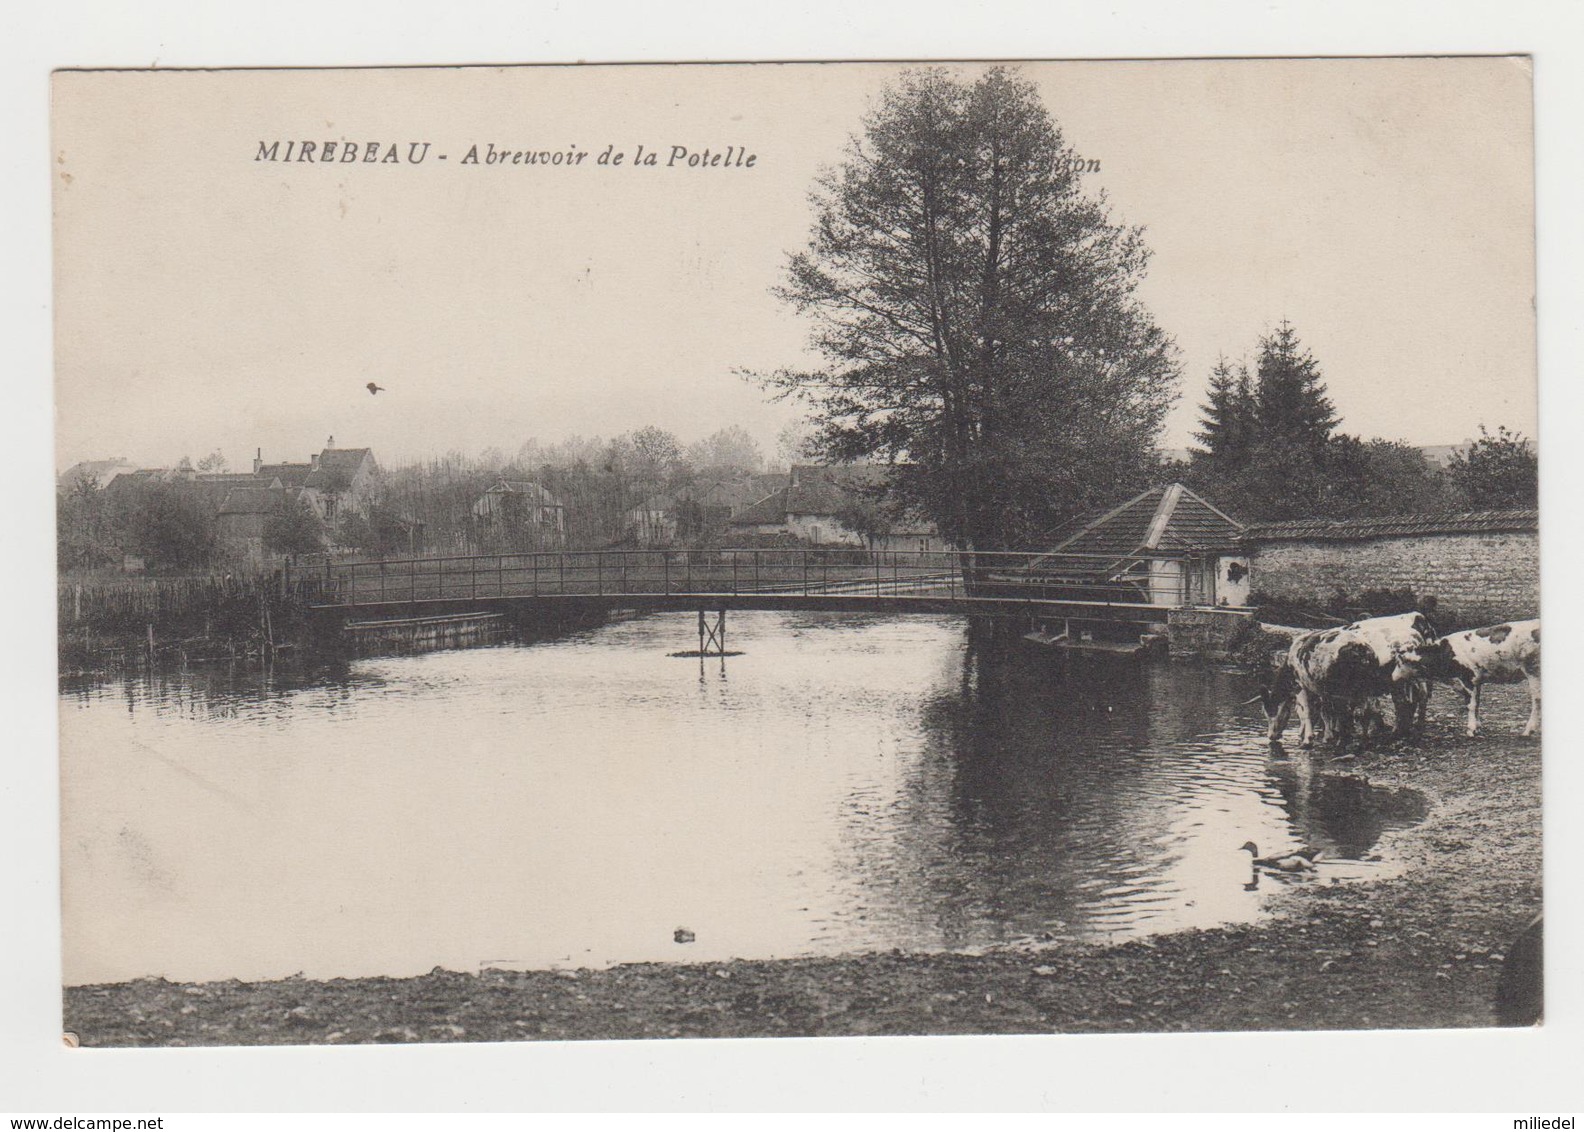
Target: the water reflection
pixel 848 783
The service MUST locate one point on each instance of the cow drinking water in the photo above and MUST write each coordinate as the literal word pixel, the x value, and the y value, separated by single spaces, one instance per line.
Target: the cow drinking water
pixel 1329 676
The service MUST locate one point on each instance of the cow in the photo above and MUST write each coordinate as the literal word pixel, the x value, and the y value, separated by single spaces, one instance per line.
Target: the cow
pixel 1329 675
pixel 1389 638
pixel 1496 654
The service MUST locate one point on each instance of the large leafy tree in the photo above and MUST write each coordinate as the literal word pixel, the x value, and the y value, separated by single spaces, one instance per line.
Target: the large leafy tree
pixel 978 314
pixel 731 448
pixel 294 529
pixel 1382 477
pixel 171 527
pixel 1498 471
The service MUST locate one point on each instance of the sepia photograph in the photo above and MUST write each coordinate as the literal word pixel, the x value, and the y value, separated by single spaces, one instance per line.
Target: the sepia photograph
pixel 785 550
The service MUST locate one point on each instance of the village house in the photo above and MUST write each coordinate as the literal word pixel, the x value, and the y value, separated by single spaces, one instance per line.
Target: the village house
pixel 698 512
pixel 96 472
pixel 818 498
pixel 335 482
pixel 214 487
pixel 652 521
pixel 244 519
pixel 519 513
pixel 140 477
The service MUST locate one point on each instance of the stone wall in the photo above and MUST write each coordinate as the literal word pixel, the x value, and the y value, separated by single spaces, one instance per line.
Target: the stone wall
pixel 1212 634
pixel 1480 577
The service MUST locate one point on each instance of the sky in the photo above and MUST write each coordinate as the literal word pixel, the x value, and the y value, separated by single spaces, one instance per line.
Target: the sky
pixel 205 299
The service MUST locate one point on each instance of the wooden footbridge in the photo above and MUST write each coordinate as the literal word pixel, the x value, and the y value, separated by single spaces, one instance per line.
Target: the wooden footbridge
pixel 1037 588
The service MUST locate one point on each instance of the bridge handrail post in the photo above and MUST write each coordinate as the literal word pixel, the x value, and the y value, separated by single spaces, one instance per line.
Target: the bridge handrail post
pixel 500 575
pixel 561 560
pixel 412 579
pixel 756 569
pixel 734 572
pixel 665 572
pixel 599 571
pixel 536 574
pixel 440 582
pixel 382 580
pixel 804 555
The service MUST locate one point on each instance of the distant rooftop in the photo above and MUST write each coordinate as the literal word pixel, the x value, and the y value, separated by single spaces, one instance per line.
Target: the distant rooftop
pixel 251 501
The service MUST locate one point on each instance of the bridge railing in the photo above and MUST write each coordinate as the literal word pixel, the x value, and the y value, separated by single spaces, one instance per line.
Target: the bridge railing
pixel 818 571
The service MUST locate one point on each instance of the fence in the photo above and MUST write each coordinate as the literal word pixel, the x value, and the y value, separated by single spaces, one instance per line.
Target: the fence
pixel 1132 579
pixel 219 604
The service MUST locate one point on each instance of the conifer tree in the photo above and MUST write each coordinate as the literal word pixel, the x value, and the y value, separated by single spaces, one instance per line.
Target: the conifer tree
pixel 1227 416
pixel 1290 402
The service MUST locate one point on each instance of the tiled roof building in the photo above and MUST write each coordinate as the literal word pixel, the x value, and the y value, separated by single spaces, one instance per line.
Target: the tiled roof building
pixel 1169 518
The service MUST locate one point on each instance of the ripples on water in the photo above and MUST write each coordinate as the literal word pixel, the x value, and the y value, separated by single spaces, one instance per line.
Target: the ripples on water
pixel 848 784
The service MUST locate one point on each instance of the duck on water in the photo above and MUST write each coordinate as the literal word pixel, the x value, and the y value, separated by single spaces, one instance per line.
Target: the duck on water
pixel 1299 860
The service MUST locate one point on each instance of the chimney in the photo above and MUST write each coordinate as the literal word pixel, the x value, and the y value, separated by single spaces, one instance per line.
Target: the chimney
pixel 313 460
pixel 258 461
pixel 330 443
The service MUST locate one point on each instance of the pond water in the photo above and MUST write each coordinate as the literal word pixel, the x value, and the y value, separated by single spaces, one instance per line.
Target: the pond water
pixel 847 784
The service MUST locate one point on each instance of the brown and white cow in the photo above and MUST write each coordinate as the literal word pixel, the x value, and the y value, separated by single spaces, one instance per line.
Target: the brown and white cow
pixel 1496 654
pixel 1329 676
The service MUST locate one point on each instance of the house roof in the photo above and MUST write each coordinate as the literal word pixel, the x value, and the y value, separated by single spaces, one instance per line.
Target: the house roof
pixel 144 476
pixel 291 475
pixel 336 468
pixel 771 509
pixel 92 469
pixel 1169 517
pixel 762 484
pixel 343 457
pixel 818 489
pixel 1392 526
pixel 214 487
pixel 821 490
pixel 251 501
pixel 532 488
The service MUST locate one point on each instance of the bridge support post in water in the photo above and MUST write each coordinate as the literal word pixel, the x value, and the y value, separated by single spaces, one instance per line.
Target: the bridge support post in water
pixel 712 638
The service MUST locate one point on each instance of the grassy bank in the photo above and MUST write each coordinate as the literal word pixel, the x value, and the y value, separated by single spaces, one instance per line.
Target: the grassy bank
pixel 1422 950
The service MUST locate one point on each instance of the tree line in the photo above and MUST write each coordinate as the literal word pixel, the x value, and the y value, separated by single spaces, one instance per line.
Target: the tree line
pixel 421 506
pixel 1270 449
pixel 976 310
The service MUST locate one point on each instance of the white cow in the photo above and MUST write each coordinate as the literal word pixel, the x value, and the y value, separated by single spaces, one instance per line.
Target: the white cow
pixel 1496 654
